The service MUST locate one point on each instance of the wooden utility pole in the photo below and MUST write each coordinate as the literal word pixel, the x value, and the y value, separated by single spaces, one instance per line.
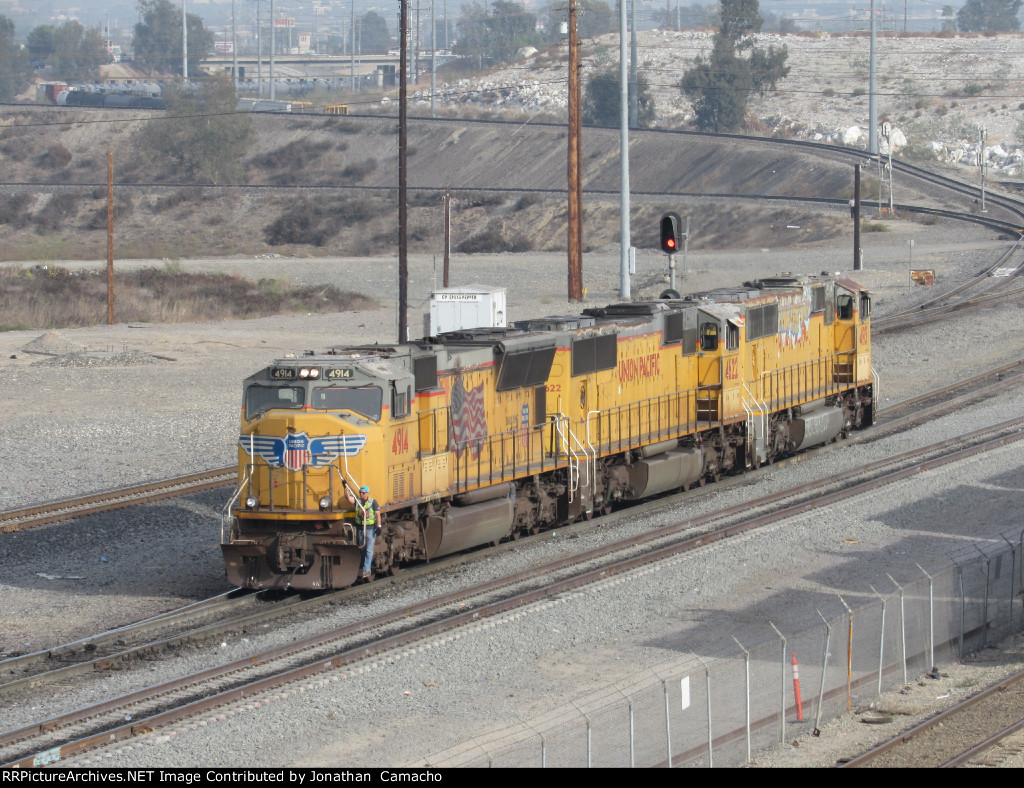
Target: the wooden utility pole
pixel 574 188
pixel 403 248
pixel 110 238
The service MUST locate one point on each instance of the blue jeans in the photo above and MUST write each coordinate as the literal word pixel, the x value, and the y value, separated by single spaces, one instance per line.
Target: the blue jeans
pixel 371 535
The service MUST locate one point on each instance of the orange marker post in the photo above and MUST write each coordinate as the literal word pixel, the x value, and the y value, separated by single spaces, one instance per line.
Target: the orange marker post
pixel 796 691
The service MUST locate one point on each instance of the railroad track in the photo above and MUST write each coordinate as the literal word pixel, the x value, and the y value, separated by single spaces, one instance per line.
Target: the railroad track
pixel 962 734
pixel 35 516
pixel 307 659
pixel 991 287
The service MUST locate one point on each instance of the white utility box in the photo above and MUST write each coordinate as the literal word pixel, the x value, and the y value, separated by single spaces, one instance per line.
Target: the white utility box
pixel 473 306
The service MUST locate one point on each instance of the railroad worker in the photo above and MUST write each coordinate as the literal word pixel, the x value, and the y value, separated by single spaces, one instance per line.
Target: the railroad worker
pixel 853 208
pixel 367 523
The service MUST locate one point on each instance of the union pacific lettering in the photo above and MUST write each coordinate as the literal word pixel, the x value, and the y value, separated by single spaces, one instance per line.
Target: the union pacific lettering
pixel 642 367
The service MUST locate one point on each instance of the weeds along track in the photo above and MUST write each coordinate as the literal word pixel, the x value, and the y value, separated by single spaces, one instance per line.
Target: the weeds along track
pixel 964 734
pixel 322 656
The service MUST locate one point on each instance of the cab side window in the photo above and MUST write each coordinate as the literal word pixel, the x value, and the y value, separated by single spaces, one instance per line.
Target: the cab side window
pixel 865 306
pixel 709 336
pixel 399 403
pixel 844 307
pixel 732 336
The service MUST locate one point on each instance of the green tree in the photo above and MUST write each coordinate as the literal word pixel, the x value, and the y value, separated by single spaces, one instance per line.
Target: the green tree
pixel 40 42
pixel 77 53
pixel 601 99
pixel 15 71
pixel 994 15
pixel 495 38
pixel 948 18
pixel 202 134
pixel 374 36
pixel 720 84
pixel 157 41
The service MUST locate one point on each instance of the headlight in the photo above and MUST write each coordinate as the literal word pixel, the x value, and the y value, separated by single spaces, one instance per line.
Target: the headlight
pixel 251 502
pixel 325 503
pixel 309 373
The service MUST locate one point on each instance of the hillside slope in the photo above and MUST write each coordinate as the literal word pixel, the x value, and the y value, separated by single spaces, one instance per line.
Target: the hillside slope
pixel 329 184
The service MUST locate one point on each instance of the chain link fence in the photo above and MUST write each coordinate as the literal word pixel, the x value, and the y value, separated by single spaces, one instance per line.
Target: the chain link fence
pixel 721 711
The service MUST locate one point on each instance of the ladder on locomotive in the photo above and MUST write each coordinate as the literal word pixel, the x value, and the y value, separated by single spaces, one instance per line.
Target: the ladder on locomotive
pixel 573 448
pixel 757 427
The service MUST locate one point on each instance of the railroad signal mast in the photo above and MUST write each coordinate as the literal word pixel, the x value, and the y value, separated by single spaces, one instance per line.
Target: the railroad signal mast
pixel 670 240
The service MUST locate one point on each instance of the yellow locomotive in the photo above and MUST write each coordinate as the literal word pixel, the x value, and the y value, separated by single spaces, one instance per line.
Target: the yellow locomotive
pixel 476 436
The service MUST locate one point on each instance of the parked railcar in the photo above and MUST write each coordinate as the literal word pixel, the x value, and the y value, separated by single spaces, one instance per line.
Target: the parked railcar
pixel 477 436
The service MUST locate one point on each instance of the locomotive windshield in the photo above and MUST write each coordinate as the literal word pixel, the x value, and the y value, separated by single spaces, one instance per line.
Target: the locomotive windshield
pixel 364 400
pixel 260 399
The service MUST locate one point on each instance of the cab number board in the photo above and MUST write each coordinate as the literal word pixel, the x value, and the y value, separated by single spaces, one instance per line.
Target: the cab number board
pixel 339 373
pixel 282 373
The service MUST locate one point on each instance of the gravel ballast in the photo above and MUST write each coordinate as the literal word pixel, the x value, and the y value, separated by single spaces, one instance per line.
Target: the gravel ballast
pixel 88 427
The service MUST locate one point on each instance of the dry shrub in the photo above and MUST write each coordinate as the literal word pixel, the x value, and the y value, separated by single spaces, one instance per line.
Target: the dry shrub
pixel 60 209
pixel 359 170
pixel 56 157
pixel 123 206
pixel 494 240
pixel 191 194
pixel 15 210
pixel 293 156
pixel 42 297
pixel 17 146
pixel 316 222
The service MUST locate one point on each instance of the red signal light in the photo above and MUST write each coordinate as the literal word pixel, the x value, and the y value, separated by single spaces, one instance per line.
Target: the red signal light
pixel 670 232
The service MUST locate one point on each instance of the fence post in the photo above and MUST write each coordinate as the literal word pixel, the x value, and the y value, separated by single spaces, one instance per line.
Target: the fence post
pixel 668 724
pixel 903 631
pixel 881 642
pixel 931 616
pixel 711 739
pixel 963 608
pixel 824 667
pixel 632 744
pixel 746 664
pixel 849 651
pixel 1013 575
pixel 590 738
pixel 782 693
pixel 984 609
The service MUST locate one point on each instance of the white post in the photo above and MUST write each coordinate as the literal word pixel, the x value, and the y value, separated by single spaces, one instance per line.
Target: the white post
pixel 184 43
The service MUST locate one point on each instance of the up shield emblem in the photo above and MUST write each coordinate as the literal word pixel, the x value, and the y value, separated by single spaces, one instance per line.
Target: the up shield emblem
pixel 299 451
pixel 296 451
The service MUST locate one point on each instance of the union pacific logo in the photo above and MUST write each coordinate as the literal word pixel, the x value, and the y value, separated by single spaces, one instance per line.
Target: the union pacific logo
pixel 299 450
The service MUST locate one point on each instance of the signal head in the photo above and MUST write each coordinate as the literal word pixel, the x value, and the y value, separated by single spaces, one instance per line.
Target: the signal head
pixel 670 223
